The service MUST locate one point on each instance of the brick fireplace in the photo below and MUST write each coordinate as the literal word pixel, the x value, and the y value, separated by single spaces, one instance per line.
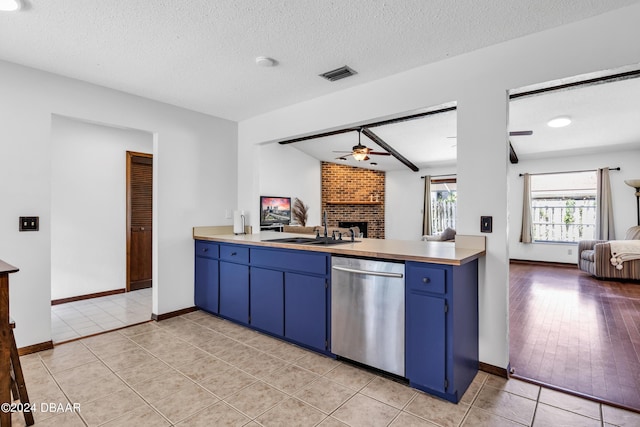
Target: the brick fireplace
pixel 353 195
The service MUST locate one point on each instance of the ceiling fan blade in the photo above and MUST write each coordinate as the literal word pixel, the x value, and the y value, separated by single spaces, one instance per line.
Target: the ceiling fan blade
pixel 521 133
pixel 379 153
pixel 334 151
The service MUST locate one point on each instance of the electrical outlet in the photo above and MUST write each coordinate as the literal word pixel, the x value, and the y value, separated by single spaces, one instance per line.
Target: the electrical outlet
pixel 29 223
pixel 227 214
pixel 570 251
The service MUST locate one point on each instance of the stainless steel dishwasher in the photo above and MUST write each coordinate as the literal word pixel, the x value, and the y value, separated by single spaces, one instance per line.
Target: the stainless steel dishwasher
pixel 367 312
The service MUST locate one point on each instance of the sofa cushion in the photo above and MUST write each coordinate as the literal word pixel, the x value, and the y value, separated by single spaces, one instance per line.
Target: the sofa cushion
pixel 633 233
pixel 299 229
pixel 588 255
pixel 448 234
pixel 345 231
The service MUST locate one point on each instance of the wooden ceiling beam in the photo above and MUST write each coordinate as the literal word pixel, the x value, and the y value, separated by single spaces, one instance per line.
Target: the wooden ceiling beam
pixel 375 138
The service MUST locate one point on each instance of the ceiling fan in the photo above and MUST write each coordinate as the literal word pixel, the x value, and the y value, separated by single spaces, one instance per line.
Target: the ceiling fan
pixel 361 152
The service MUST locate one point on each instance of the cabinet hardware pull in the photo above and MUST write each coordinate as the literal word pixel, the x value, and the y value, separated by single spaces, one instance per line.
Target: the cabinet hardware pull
pixel 234 253
pixel 205 249
pixel 426 280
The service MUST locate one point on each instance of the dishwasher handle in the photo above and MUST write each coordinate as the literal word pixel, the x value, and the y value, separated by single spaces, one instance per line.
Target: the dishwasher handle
pixel 367 272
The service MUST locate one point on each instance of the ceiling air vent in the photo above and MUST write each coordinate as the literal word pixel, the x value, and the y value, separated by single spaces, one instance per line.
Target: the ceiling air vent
pixel 338 73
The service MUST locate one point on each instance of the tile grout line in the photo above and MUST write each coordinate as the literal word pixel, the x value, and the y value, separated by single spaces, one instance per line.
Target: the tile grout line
pixel 468 411
pixel 535 408
pixel 62 390
pixel 127 384
pixel 287 394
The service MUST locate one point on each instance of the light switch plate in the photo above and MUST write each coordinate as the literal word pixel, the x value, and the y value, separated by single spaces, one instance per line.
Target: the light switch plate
pixel 486 224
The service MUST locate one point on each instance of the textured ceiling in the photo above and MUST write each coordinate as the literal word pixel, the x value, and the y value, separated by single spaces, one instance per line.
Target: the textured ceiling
pixel 199 54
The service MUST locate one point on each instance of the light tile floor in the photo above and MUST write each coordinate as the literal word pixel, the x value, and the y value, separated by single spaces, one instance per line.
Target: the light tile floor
pixel 199 370
pixel 87 317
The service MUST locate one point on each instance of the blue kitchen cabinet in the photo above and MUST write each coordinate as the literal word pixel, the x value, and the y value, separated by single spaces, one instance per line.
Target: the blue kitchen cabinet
pixel 206 276
pixel 234 291
pixel 206 289
pixel 306 310
pixel 441 327
pixel 425 346
pixel 267 300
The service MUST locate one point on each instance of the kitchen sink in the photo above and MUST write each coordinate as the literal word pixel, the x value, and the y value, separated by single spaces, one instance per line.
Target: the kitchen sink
pixel 328 241
pixel 297 240
pixel 310 241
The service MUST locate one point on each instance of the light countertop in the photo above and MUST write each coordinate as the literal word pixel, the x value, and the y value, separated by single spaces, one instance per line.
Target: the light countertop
pixel 448 253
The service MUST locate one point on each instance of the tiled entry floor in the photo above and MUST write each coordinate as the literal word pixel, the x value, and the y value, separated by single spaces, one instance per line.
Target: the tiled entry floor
pixel 198 370
pixel 90 316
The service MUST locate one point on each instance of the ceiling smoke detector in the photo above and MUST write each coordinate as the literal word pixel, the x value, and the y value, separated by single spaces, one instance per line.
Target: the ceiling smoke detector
pixel 339 73
pixel 264 61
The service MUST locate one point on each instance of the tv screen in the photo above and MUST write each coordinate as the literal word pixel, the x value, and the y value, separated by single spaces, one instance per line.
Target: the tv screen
pixel 275 210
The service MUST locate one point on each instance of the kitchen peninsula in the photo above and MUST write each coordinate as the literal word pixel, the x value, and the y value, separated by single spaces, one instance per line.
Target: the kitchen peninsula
pixel 429 334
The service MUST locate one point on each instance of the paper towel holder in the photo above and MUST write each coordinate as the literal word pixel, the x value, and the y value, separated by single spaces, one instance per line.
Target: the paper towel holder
pixel 239 222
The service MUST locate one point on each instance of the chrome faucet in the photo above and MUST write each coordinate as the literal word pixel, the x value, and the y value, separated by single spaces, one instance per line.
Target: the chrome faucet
pixel 326 230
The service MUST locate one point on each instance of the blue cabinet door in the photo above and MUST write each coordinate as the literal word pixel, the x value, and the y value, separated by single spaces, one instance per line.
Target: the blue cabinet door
pixel 206 284
pixel 234 291
pixel 267 300
pixel 306 310
pixel 425 341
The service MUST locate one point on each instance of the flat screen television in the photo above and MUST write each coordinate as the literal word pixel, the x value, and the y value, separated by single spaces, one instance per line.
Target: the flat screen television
pixel 275 210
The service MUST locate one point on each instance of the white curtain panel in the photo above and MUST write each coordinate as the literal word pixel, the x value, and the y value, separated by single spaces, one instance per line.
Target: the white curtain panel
pixel 527 222
pixel 604 213
pixel 426 216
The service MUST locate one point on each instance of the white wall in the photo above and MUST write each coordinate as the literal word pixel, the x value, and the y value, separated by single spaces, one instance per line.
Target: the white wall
pixel 195 158
pixel 288 172
pixel 624 201
pixel 404 201
pixel 479 82
pixel 88 205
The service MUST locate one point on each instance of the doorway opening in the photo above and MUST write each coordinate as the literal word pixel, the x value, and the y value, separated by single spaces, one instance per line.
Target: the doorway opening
pixel 88 229
pixel 569 330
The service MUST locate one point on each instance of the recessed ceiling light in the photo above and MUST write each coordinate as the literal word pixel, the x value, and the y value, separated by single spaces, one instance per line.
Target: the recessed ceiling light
pixel 264 61
pixel 559 122
pixel 10 5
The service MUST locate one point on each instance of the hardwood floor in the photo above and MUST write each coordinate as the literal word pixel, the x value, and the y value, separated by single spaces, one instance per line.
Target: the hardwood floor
pixel 575 332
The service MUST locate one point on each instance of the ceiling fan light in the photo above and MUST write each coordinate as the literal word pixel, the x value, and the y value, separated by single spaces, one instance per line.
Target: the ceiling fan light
pixel 559 122
pixel 360 156
pixel 10 5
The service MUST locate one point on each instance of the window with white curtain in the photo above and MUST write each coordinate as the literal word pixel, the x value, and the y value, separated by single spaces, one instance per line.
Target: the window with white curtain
pixel 563 206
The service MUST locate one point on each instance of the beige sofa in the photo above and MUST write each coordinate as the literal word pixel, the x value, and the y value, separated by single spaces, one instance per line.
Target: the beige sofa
pixel 448 235
pixel 315 228
pixel 594 257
